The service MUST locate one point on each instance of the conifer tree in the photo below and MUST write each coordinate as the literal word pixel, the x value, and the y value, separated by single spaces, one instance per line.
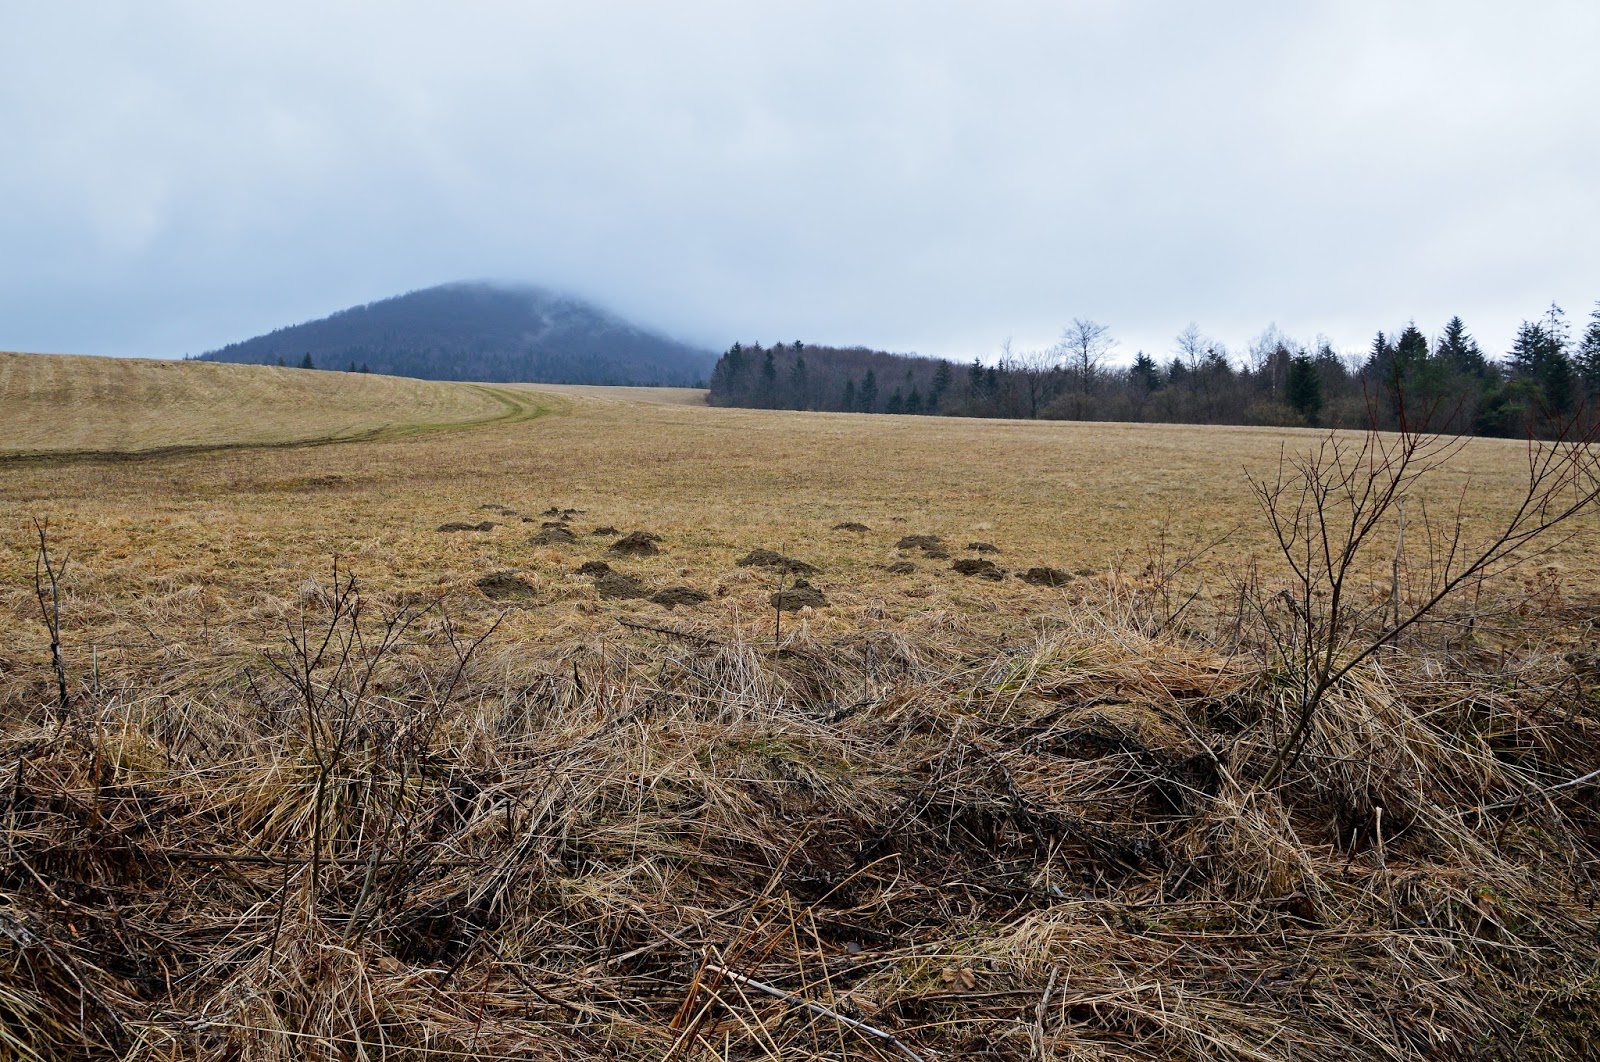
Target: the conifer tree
pixel 941 383
pixel 1460 351
pixel 1145 374
pixel 1588 360
pixel 1304 387
pixel 799 383
pixel 1539 359
pixel 769 382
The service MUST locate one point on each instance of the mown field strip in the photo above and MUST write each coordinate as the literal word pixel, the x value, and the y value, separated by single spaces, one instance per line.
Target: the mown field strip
pixel 61 406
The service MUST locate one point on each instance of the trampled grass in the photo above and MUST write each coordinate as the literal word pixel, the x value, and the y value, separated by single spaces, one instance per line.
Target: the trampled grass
pixel 939 816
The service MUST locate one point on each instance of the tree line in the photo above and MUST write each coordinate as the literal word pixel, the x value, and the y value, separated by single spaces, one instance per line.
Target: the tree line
pixel 1445 381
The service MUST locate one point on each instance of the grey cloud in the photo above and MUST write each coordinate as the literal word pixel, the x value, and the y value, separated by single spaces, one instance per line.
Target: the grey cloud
pixel 929 176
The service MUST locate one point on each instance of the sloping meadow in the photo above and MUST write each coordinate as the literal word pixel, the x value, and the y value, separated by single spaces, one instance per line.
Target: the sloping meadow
pixel 400 835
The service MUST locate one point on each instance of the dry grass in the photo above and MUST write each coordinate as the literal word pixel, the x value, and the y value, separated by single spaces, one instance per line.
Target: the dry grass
pixel 983 818
pixel 56 404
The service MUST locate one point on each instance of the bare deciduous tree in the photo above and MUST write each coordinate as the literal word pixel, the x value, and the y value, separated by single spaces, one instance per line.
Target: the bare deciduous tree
pixel 1084 345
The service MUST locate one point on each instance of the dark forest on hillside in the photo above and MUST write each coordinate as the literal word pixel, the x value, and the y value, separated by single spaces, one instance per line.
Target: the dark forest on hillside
pixel 485 332
pixel 1448 382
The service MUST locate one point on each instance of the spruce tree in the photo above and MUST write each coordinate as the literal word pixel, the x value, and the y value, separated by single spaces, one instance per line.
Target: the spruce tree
pixel 799 383
pixel 305 362
pixel 1460 351
pixel 941 383
pixel 867 396
pixel 1145 374
pixel 1304 388
pixel 1540 361
pixel 1588 360
pixel 769 382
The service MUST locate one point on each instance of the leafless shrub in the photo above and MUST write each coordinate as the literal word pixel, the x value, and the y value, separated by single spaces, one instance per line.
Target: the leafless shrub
pixel 1328 510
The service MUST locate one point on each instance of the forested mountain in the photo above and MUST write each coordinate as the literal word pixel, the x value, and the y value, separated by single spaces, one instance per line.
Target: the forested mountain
pixel 481 331
pixel 1548 379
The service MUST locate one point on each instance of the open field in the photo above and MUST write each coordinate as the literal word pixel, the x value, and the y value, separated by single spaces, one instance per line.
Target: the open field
pixel 979 816
pixel 64 404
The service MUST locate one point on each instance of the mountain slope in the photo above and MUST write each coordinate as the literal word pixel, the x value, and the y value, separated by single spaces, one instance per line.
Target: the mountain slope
pixel 483 332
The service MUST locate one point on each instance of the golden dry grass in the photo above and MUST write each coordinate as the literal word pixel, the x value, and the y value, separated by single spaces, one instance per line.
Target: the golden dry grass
pixel 62 403
pixel 715 483
pixel 989 817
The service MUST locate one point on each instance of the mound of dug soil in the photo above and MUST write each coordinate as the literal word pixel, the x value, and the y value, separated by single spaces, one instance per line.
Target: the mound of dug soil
pixel 985 569
pixel 801 595
pixel 851 525
pixel 983 547
pixel 605 531
pixel 636 544
pixel 673 596
pixel 901 568
pixel 1044 576
pixel 563 514
pixel 766 558
pixel 554 535
pixel 462 525
pixel 504 586
pixel 922 542
pixel 614 585
pixel 593 568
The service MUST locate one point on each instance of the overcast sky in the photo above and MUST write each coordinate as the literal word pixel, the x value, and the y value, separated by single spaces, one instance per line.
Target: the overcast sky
pixel 914 176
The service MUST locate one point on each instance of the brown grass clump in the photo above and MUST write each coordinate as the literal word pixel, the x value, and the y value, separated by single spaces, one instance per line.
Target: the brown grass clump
pixel 284 814
pixel 393 836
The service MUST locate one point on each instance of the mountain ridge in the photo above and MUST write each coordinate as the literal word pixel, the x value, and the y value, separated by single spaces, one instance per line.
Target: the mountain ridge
pixel 486 331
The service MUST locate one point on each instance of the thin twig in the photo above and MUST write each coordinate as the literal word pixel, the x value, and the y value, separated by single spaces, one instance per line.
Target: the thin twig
pixel 818 1009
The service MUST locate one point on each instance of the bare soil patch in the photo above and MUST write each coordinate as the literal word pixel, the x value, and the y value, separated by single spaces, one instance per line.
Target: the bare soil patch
pixel 766 558
pixel 504 586
pixel 801 595
pixel 613 585
pixel 636 544
pixel 555 535
pixel 673 596
pixel 986 569
pixel 1045 576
